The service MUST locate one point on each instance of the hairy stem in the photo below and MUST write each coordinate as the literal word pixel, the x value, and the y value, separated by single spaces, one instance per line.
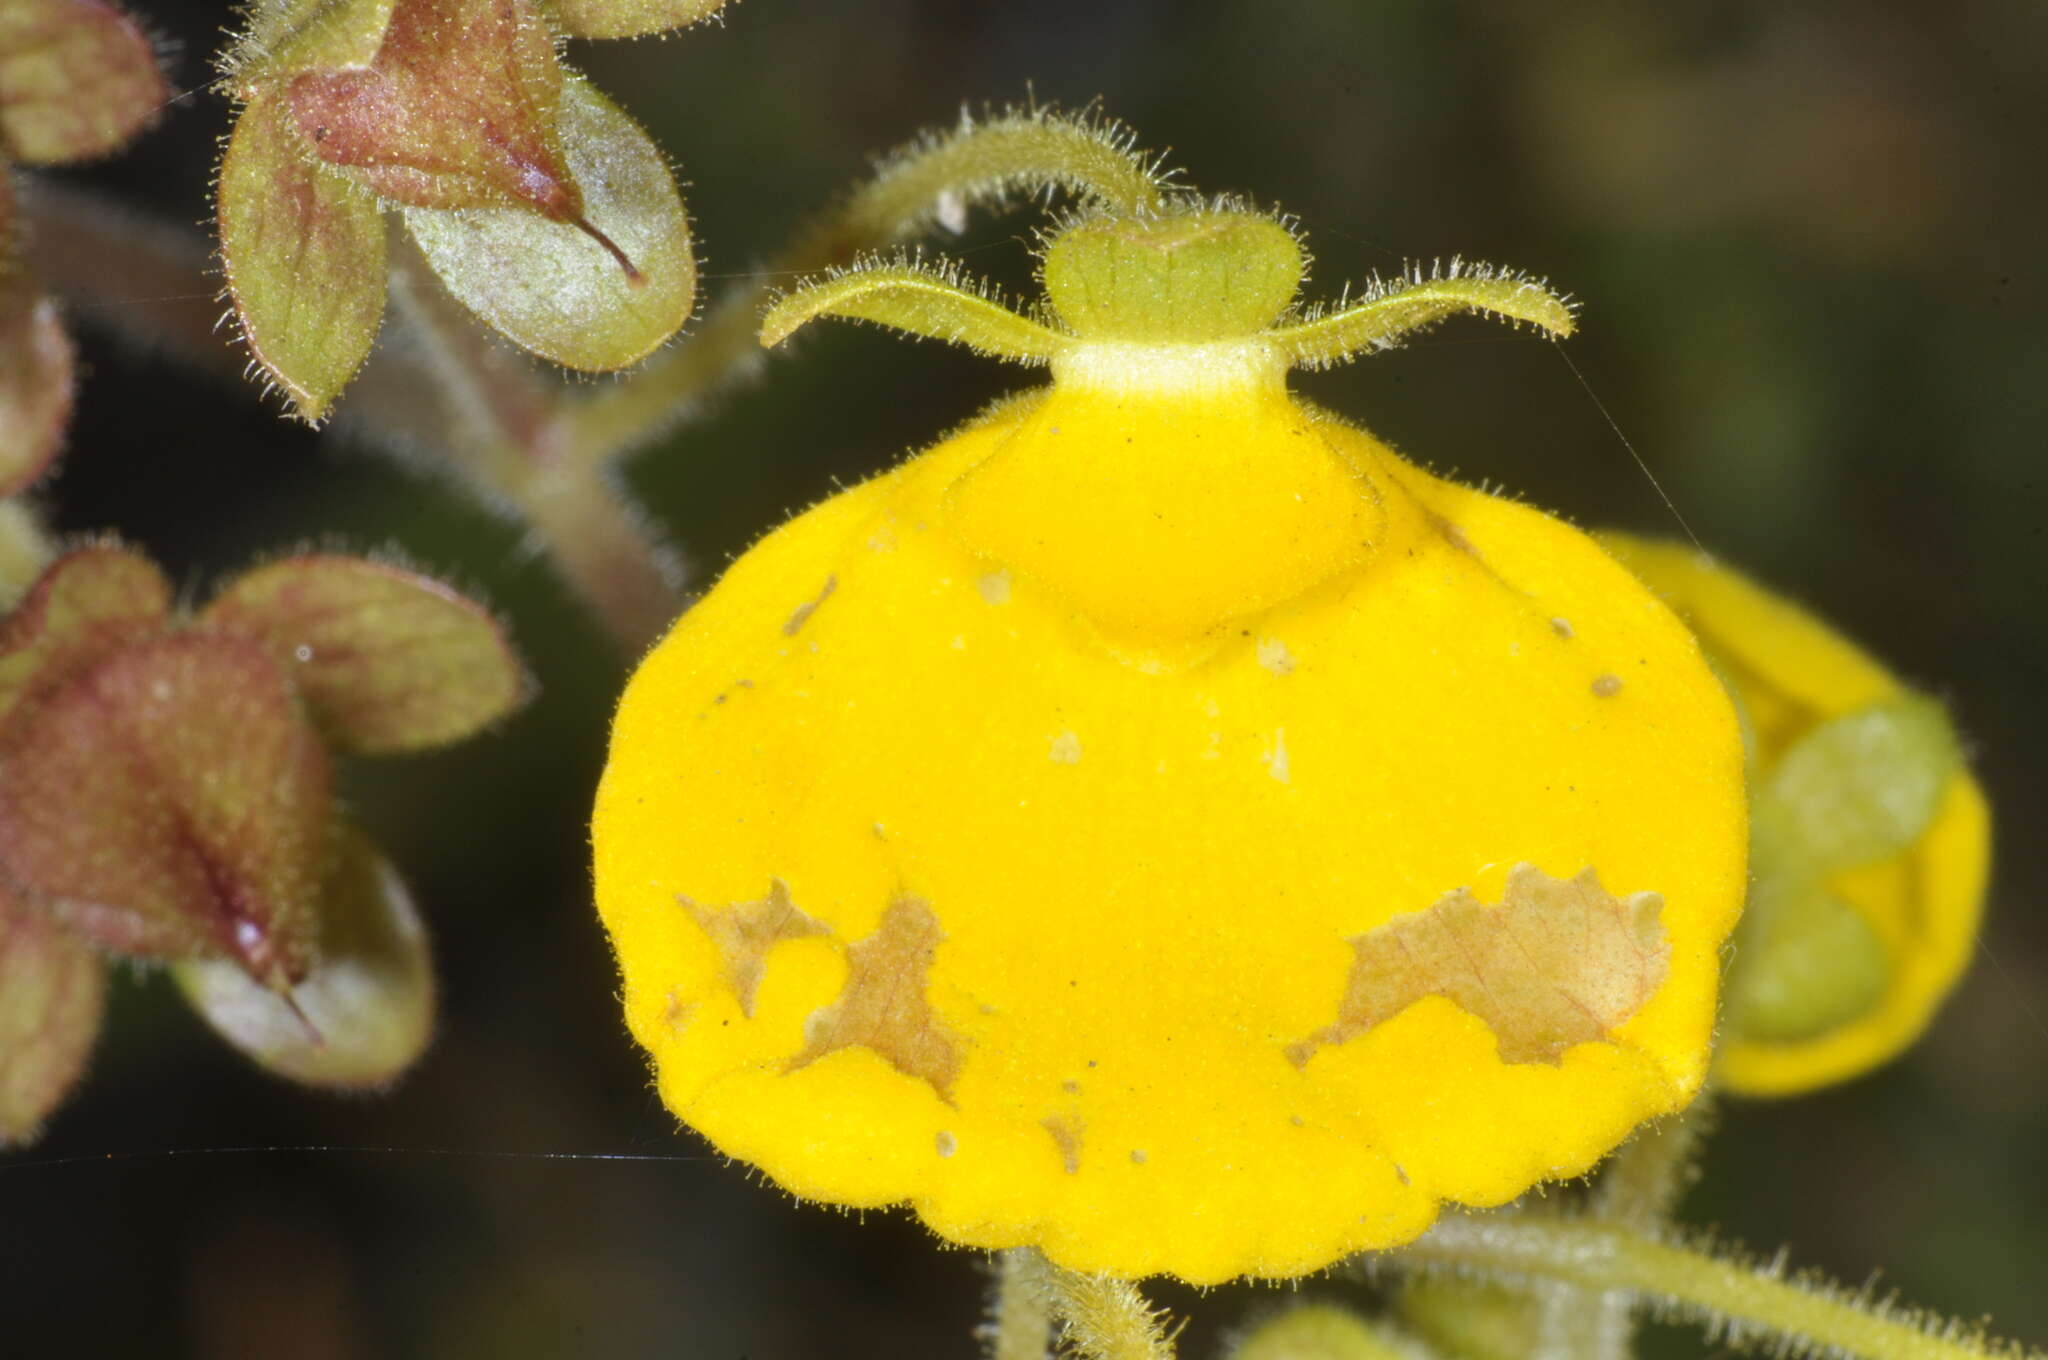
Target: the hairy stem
pixel 1021 1310
pixel 1646 1177
pixel 978 163
pixel 444 396
pixel 1738 1302
pixel 609 552
pixel 1106 1318
pixel 1638 1190
pixel 145 281
pixel 503 433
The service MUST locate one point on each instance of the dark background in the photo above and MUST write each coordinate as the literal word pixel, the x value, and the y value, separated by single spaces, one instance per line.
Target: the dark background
pixel 1807 240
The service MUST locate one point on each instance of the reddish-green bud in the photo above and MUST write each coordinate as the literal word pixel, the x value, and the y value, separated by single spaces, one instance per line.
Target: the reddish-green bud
pixel 456 110
pixel 168 799
pixel 545 210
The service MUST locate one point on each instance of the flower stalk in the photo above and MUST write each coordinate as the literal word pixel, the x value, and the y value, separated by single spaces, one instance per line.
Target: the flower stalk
pixel 1021 1317
pixel 933 181
pixel 1639 1189
pixel 1737 1301
pixel 1107 1318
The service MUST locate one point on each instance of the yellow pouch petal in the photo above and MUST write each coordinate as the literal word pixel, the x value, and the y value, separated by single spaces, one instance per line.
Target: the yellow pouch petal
pixel 1161 825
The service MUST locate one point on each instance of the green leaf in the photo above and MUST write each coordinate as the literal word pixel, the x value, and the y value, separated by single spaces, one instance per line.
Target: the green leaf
pixel 87 604
pixel 77 79
pixel 364 1013
pixel 385 659
pixel 1861 787
pixel 627 18
pixel 36 373
pixel 552 288
pixel 170 800
pixel 52 996
pixel 304 250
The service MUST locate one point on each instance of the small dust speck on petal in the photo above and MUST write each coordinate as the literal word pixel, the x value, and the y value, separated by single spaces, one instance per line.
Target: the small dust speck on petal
pixel 1606 686
pixel 1065 749
pixel 1066 1134
pixel 1274 656
pixel 1561 627
pixel 946 1143
pixel 995 587
pixel 1137 1156
pixel 1276 756
pixel 801 615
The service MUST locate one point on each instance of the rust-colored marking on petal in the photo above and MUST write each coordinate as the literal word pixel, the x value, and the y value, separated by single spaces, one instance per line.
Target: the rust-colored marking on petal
pixel 745 931
pixel 883 1005
pixel 1559 962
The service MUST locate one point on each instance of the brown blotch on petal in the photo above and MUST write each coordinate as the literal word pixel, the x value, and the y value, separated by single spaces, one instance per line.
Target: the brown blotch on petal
pixel 883 1006
pixel 1559 962
pixel 744 933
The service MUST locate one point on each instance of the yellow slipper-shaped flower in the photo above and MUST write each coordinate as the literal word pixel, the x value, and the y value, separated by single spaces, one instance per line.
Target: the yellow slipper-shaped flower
pixel 1871 841
pixel 1160 824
